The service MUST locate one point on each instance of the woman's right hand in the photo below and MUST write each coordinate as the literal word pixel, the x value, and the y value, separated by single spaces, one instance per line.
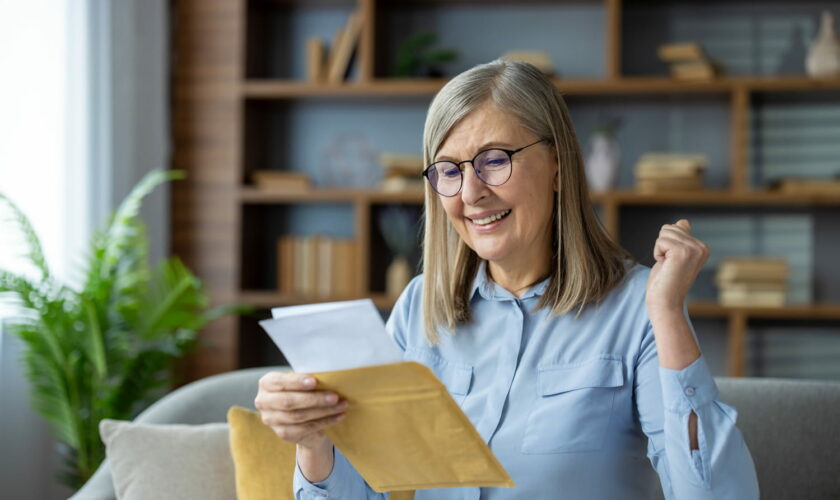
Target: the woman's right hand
pixel 288 404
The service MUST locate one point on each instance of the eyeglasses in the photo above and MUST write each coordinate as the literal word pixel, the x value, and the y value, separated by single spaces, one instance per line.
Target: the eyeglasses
pixel 492 166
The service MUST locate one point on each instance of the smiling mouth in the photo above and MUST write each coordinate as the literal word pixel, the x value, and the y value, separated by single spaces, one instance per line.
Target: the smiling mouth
pixel 492 218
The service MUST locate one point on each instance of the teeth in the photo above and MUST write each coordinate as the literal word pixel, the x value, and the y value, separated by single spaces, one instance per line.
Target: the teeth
pixel 488 220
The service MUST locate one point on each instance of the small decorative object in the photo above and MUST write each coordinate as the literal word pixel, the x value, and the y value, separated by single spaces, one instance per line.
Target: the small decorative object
pixel 103 350
pixel 398 226
pixel 824 55
pixel 604 156
pixel 415 57
pixel 538 58
pixel 349 161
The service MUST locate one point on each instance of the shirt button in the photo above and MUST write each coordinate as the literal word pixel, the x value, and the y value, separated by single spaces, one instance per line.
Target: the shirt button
pixel 689 391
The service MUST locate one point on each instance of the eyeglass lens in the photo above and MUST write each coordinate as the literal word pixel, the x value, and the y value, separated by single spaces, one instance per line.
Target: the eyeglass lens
pixel 492 167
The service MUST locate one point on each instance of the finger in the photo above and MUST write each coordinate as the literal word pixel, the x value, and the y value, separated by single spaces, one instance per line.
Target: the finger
pixel 302 416
pixel 684 224
pixel 291 400
pixel 663 245
pixel 297 432
pixel 287 381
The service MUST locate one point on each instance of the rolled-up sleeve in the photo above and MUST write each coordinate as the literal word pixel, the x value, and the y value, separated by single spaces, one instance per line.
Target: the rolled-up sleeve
pixel 342 483
pixel 722 466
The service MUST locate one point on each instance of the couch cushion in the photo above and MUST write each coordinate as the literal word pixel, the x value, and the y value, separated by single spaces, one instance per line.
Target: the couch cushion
pixel 163 461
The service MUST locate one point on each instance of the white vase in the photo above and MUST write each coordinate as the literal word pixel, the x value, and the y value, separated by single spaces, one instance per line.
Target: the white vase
pixel 824 55
pixel 397 276
pixel 602 162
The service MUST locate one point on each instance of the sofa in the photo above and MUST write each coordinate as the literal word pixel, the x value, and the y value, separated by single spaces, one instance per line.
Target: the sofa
pixel 790 426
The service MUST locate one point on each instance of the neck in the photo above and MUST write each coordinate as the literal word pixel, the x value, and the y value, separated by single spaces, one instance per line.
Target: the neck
pixel 518 278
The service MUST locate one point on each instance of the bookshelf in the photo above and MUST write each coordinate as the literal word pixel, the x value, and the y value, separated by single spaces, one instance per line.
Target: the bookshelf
pixel 230 97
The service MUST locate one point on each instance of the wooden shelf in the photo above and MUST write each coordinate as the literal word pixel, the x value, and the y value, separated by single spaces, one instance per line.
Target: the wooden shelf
pixel 422 87
pixel 714 197
pixel 254 196
pixel 699 309
pixel 251 195
pixel 268 299
pixel 789 311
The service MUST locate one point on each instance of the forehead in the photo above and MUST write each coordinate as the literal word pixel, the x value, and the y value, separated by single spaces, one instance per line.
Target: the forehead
pixel 486 126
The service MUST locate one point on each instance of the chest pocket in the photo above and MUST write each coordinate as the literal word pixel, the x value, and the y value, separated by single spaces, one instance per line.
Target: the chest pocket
pixel 457 377
pixel 574 405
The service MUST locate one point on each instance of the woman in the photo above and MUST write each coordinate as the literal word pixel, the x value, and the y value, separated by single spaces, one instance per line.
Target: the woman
pixel 572 362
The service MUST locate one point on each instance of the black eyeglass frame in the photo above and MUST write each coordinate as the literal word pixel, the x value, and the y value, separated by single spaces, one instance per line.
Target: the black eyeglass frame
pixel 509 152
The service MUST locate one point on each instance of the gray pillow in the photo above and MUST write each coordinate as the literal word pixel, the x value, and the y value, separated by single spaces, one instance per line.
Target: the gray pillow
pixel 174 461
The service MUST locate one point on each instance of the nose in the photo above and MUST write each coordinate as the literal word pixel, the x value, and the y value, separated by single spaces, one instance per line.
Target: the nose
pixel 474 189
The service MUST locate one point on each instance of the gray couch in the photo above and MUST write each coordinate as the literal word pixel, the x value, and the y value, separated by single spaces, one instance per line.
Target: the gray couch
pixel 790 426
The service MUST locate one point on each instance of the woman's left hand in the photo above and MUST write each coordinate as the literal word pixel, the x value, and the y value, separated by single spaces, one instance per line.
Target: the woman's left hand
pixel 679 258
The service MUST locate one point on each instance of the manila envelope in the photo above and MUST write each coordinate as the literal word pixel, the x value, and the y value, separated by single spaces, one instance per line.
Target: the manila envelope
pixel 403 431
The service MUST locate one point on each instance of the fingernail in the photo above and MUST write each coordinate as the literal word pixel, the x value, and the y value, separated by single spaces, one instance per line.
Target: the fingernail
pixel 331 398
pixel 309 381
pixel 342 405
pixel 339 417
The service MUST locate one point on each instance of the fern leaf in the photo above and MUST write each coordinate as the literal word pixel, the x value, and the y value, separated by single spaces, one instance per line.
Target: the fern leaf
pixel 34 252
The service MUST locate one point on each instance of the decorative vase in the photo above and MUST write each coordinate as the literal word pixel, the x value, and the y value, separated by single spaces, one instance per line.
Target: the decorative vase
pixel 397 276
pixel 602 161
pixel 824 55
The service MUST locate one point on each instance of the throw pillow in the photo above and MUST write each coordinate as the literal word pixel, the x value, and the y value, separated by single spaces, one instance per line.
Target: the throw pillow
pixel 263 462
pixel 169 461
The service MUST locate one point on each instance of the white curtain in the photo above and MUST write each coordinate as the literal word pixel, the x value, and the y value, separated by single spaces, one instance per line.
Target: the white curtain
pixel 84 95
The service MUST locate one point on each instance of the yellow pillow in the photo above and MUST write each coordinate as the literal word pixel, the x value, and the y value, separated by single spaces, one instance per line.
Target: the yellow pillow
pixel 264 464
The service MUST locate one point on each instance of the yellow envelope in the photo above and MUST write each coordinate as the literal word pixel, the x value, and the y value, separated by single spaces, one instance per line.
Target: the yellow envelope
pixel 403 431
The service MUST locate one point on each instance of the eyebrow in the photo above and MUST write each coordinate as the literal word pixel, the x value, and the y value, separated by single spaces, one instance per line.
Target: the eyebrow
pixel 486 145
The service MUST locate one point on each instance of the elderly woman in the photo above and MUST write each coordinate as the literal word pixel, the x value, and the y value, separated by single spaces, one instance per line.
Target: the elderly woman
pixel 572 361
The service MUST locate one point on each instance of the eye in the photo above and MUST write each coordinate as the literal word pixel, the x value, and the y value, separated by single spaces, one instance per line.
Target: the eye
pixel 450 172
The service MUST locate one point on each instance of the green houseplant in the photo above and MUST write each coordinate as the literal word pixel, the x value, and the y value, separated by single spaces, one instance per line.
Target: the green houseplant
pixel 104 350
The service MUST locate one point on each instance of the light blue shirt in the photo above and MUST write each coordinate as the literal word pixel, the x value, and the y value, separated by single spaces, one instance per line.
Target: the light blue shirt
pixel 574 408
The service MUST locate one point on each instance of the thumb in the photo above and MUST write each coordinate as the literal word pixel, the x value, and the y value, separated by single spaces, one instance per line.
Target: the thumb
pixel 684 224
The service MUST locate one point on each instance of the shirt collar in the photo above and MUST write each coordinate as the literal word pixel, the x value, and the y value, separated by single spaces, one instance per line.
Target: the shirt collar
pixel 490 290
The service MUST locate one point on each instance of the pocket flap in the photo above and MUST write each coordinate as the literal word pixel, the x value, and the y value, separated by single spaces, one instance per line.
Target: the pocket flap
pixel 598 372
pixel 455 376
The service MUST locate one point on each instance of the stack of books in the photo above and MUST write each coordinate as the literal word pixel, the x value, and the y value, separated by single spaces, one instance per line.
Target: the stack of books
pixel 276 180
pixel 688 61
pixel 403 172
pixel 752 281
pixel 332 65
pixel 657 172
pixel 317 267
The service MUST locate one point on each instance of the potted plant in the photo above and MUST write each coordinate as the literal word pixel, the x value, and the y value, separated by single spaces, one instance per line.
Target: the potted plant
pixel 103 350
pixel 415 57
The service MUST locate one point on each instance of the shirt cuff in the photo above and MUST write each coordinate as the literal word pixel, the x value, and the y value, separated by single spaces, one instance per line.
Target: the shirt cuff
pixel 688 389
pixel 315 490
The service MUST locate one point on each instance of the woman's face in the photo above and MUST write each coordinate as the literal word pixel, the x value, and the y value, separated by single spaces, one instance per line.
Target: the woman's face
pixel 525 201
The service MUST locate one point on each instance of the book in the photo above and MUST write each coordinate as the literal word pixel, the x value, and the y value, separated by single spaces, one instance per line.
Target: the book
pixel 768 298
pixel 681 51
pixel 747 287
pixel 277 180
pixel 763 269
pixel 693 70
pixel 402 162
pixel 286 265
pixel 538 58
pixel 674 160
pixel 669 184
pixel 345 46
pixel 809 186
pixel 315 59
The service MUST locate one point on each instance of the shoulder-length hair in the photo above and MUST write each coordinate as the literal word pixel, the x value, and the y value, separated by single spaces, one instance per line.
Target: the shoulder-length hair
pixel 586 264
